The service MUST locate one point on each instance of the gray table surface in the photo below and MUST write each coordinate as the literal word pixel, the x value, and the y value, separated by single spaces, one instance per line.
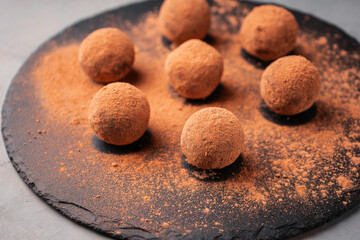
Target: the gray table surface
pixel 24 25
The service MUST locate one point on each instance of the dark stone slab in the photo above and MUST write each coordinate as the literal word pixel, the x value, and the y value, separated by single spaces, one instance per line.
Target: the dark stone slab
pixel 22 109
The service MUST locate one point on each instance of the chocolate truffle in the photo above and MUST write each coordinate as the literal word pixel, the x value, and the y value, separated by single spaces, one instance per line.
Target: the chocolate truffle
pixel 194 69
pixel 290 85
pixel 119 113
pixel 183 20
pixel 106 55
pixel 269 32
pixel 212 138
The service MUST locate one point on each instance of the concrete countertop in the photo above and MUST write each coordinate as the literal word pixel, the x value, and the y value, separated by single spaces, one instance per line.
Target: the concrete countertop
pixel 24 25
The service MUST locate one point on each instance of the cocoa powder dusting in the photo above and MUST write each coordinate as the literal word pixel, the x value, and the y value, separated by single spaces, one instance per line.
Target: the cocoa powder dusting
pixel 66 83
pixel 281 165
pixel 119 113
pixel 194 69
pixel 106 55
pixel 212 138
pixel 290 85
pixel 269 32
pixel 183 20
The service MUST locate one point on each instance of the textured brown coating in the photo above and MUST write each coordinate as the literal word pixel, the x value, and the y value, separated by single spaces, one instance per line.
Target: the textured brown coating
pixel 269 32
pixel 183 20
pixel 194 69
pixel 212 138
pixel 119 113
pixel 290 85
pixel 106 55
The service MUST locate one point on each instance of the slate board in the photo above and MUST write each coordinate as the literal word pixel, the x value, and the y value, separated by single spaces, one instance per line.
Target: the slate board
pixel 22 112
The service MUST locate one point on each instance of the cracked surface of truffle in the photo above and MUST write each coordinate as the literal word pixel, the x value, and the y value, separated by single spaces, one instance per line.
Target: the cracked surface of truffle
pixel 212 138
pixel 183 20
pixel 106 55
pixel 119 113
pixel 290 85
pixel 194 69
pixel 269 32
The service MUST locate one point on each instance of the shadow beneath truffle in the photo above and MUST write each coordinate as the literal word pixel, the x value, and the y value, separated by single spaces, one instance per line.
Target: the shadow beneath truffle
pixel 132 77
pixel 293 120
pixel 214 96
pixel 302 50
pixel 215 175
pixel 298 50
pixel 209 39
pixel 166 42
pixel 253 60
pixel 141 144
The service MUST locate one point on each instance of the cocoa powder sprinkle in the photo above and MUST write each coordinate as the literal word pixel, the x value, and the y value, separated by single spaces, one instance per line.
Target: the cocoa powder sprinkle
pixel 280 163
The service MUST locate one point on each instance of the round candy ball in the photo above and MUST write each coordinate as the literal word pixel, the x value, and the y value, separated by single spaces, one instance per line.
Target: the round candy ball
pixel 194 69
pixel 212 138
pixel 290 85
pixel 106 55
pixel 119 113
pixel 181 20
pixel 269 32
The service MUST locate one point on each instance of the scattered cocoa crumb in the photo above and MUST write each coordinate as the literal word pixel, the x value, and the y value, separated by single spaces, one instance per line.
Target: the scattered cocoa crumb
pixel 344 182
pixel 356 160
pixel 321 41
pixel 301 190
